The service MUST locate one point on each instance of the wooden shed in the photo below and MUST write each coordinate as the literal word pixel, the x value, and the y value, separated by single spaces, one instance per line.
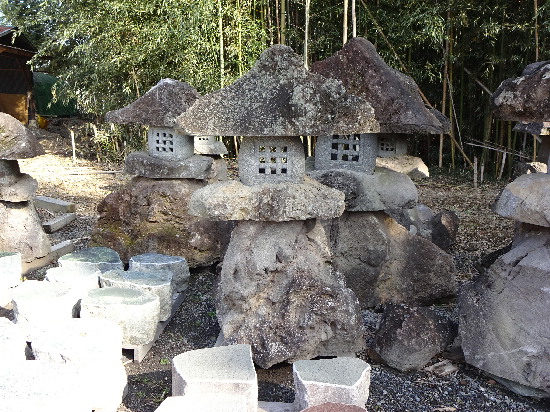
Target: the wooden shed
pixel 16 79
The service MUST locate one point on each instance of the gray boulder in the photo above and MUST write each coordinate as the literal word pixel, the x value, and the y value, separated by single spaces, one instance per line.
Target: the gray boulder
pixel 276 202
pixel 382 190
pixel 394 96
pixel 150 216
pixel 526 199
pixel 525 98
pixel 16 141
pixel 503 316
pixel 384 263
pixel 21 231
pixel 408 337
pixel 278 293
pixel 159 106
pixel 445 229
pixel 279 97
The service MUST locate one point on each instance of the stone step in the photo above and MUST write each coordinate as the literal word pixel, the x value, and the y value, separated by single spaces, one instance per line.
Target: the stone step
pixel 54 205
pixel 59 222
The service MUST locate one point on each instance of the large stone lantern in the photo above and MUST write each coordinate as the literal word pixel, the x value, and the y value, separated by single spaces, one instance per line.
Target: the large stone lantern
pixel 278 291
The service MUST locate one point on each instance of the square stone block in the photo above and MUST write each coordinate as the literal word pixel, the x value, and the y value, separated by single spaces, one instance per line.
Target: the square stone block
pixel 353 152
pixel 210 372
pixel 338 380
pixel 167 143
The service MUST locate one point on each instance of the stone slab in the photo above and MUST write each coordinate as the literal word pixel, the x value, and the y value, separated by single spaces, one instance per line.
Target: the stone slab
pixel 158 283
pixel 22 189
pixel 526 199
pixel 214 402
pixel 385 189
pixel 194 167
pixel 54 205
pixel 91 260
pixel 269 202
pixel 10 269
pixel 279 97
pixel 156 261
pixel 59 222
pixel 135 311
pixel 225 370
pixel 338 380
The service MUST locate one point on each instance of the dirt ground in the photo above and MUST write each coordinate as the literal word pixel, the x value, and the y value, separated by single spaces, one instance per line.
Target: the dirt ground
pixel 194 326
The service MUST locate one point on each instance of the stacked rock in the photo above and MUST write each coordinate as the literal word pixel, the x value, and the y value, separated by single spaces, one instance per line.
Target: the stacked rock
pixel 149 213
pixel 20 227
pixel 504 313
pixel 278 291
pixel 381 260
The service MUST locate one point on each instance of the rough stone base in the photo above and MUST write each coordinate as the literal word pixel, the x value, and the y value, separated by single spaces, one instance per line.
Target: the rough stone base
pixel 279 294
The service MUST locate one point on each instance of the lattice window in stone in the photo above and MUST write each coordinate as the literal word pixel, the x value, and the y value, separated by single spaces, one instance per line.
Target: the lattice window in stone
pixel 164 142
pixel 387 146
pixel 272 160
pixel 345 148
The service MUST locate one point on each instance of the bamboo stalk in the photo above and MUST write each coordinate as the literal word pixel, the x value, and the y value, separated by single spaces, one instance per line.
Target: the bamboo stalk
pixel 345 23
pixel 353 20
pixel 475 172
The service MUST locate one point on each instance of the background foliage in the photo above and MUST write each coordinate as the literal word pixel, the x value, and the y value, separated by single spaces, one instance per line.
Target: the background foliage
pixel 108 52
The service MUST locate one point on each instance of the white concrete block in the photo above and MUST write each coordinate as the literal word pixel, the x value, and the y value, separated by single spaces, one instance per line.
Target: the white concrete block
pixel 217 403
pixel 156 261
pixel 12 341
pixel 339 380
pixel 158 283
pixel 135 311
pixel 210 372
pixel 10 269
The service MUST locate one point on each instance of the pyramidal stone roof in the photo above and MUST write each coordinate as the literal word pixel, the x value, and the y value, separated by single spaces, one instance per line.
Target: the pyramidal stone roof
pixel 525 98
pixel 394 96
pixel 536 128
pixel 159 106
pixel 279 97
pixel 16 141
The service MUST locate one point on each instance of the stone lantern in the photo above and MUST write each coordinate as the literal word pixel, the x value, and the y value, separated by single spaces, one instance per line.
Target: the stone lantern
pixel 541 132
pixel 149 214
pixel 367 230
pixel 278 291
pixel 504 327
pixel 20 227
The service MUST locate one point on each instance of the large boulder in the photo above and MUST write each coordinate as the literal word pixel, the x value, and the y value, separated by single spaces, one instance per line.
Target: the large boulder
pixel 408 337
pixel 394 96
pixel 159 106
pixel 525 98
pixel 526 199
pixel 279 97
pixel 16 141
pixel 278 294
pixel 384 263
pixel 150 216
pixel 21 231
pixel 503 317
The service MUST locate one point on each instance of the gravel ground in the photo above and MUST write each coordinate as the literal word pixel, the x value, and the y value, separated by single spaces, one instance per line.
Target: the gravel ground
pixel 195 326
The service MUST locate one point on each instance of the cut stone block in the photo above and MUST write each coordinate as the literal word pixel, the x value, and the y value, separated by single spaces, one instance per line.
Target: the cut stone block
pixel 78 340
pixel 155 261
pixel 59 222
pixel 271 160
pixel 339 380
pixel 60 387
pixel 158 283
pixel 224 370
pixel 53 205
pixel 166 143
pixel 194 167
pixel 275 407
pixel 35 302
pixel 91 260
pixel 10 269
pixel 74 279
pixel 13 342
pixel 209 403
pixel 352 152
pixel 135 311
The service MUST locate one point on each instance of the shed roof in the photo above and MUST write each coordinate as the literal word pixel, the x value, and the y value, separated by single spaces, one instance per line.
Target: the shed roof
pixel 13 41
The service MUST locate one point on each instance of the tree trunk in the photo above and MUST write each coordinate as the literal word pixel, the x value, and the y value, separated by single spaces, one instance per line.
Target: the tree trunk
pixel 345 34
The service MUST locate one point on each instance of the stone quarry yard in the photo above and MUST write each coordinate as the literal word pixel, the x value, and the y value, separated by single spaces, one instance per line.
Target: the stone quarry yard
pixel 194 325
